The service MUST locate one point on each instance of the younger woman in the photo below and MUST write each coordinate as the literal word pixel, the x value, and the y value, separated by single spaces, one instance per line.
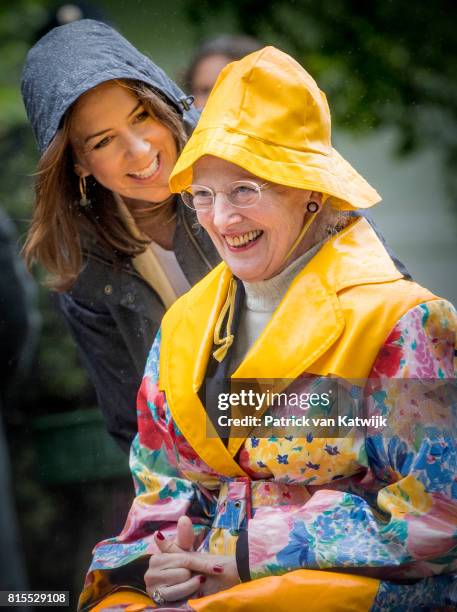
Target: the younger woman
pixel 109 125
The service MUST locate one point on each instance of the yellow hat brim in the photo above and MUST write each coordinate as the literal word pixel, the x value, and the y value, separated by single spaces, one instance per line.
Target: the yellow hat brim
pixel 322 171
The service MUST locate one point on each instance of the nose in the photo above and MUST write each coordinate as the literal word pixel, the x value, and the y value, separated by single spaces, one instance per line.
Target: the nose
pixel 224 214
pixel 137 146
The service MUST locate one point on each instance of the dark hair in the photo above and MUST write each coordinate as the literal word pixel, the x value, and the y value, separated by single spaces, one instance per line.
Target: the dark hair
pixel 234 47
pixel 59 222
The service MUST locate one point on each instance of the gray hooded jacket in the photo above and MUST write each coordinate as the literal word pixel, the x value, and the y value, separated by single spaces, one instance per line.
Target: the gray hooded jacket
pixel 113 313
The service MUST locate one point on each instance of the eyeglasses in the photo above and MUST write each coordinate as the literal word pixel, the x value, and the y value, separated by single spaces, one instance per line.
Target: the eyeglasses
pixel 241 194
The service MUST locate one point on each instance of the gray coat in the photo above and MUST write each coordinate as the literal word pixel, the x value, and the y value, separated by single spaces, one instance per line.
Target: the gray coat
pixel 114 315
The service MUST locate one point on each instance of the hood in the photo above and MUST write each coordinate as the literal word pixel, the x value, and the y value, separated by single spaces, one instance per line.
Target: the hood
pixel 267 115
pixel 76 57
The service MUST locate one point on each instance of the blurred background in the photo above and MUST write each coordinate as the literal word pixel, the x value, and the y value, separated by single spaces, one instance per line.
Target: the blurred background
pixel 389 70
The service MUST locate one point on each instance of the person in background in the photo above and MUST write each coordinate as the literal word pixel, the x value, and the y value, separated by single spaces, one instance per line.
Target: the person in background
pixel 253 518
pixel 118 246
pixel 209 59
pixel 18 328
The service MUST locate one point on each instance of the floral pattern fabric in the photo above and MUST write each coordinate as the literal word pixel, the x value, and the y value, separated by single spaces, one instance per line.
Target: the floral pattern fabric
pixel 377 505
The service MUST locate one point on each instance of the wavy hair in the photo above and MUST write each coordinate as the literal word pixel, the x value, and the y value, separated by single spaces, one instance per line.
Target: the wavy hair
pixel 59 223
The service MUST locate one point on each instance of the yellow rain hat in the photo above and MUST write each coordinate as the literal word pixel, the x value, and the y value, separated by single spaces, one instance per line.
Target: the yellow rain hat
pixel 267 115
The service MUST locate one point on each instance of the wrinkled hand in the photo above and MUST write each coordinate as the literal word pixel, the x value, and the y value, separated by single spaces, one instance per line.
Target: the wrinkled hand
pixel 158 575
pixel 169 573
pixel 179 572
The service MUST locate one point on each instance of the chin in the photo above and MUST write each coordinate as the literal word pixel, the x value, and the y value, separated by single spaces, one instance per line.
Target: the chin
pixel 246 276
pixel 246 271
pixel 155 197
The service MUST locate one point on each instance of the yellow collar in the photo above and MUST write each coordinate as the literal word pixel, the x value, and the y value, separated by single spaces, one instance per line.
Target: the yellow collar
pixel 305 325
pixel 355 256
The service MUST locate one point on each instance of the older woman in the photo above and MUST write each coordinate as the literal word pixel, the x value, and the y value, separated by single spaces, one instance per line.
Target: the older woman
pixel 361 518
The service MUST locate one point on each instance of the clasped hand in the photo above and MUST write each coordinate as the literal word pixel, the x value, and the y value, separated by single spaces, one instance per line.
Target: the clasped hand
pixel 180 573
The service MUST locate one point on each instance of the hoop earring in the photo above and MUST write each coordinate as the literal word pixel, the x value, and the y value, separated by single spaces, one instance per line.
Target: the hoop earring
pixel 312 207
pixel 84 201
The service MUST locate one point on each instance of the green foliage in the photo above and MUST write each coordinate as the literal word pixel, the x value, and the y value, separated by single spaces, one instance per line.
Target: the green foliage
pixel 18 22
pixel 390 63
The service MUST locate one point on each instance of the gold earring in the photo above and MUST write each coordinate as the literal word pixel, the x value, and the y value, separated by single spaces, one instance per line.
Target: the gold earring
pixel 84 201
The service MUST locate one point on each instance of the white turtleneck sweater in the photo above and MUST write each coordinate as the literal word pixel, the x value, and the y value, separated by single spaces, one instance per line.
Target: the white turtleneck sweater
pixel 262 299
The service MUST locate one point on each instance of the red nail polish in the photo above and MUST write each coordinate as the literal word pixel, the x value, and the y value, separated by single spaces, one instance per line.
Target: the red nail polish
pixel 202 579
pixel 218 569
pixel 160 536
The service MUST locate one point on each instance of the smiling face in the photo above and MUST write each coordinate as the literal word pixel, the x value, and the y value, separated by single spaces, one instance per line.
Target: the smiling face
pixel 117 142
pixel 255 241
